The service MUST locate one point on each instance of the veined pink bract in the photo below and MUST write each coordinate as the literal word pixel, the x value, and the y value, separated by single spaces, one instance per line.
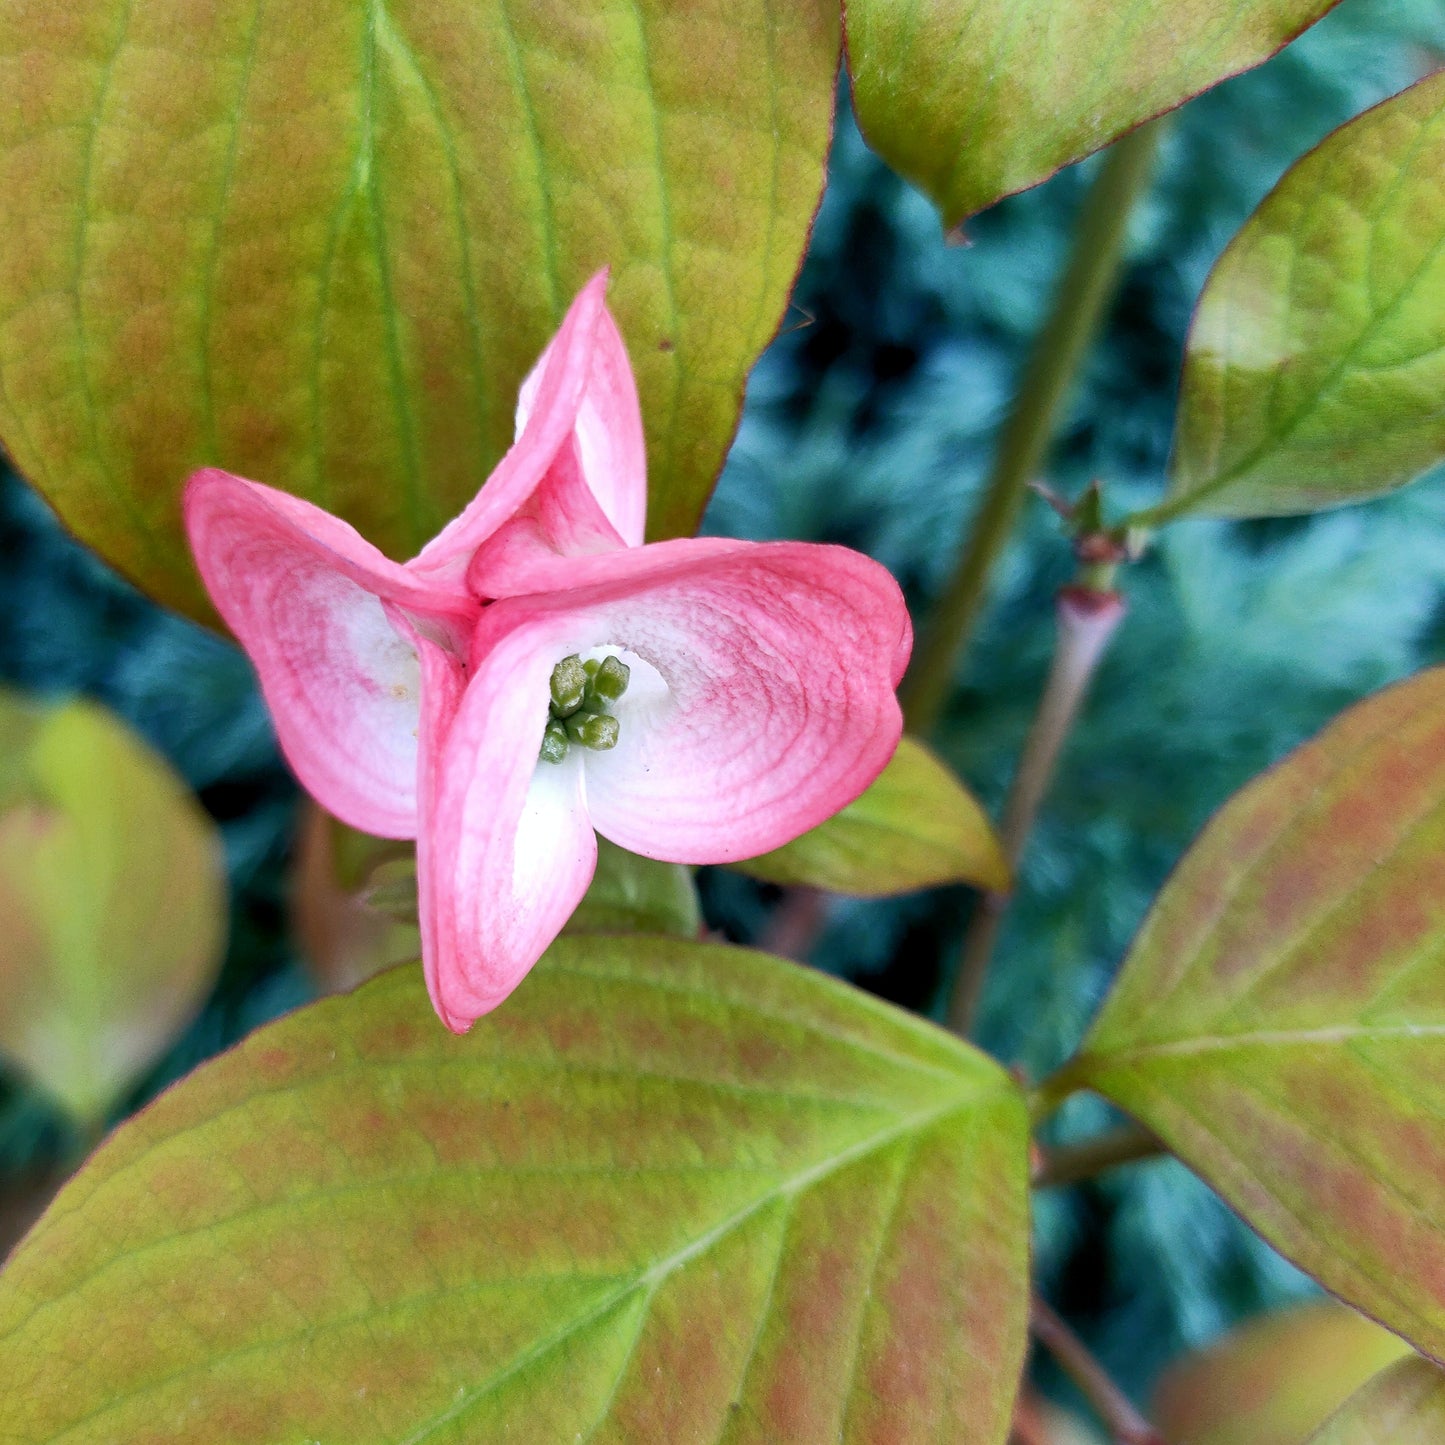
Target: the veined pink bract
pixel 412 699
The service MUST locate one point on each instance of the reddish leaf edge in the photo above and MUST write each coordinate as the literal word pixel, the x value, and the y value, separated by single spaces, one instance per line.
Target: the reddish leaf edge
pixel 1162 513
pixel 781 322
pixel 955 223
pixel 1203 1175
pixel 1072 1077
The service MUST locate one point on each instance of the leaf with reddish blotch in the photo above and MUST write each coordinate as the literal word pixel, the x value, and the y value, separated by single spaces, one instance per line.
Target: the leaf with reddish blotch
pixel 1316 362
pixel 1403 1406
pixel 1280 1021
pixel 916 827
pixel 112 903
pixel 1274 1379
pixel 669 1192
pixel 975 99
pixel 320 245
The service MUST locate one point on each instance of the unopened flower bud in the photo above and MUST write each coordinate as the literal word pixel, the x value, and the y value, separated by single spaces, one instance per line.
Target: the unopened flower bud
pixel 569 686
pixel 596 730
pixel 610 680
pixel 554 742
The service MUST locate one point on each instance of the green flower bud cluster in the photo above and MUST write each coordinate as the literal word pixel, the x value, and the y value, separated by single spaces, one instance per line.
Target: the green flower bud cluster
pixel 582 693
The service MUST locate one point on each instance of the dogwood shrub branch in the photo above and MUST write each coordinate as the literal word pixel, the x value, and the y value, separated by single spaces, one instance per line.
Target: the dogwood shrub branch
pixel 1084 291
pixel 1109 1402
pixel 1086 621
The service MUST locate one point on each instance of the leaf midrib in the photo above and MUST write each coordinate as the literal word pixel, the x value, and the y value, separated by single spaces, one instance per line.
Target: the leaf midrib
pixel 1102 1057
pixel 648 1281
pixel 651 1279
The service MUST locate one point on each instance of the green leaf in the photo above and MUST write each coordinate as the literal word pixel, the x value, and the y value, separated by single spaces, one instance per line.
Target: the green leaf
pixel 1403 1406
pixel 1280 1020
pixel 1316 363
pixel 976 99
pixel 321 244
pixel 637 895
pixel 916 827
pixel 668 1192
pixel 112 904
pixel 1274 1379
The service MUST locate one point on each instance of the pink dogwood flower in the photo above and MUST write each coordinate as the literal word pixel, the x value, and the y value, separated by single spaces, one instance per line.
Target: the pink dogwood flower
pixel 536 675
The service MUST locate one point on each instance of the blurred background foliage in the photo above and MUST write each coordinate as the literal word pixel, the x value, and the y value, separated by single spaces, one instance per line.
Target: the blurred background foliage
pixel 869 422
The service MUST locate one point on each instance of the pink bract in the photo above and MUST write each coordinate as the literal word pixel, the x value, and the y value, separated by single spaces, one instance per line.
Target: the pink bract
pixel 411 698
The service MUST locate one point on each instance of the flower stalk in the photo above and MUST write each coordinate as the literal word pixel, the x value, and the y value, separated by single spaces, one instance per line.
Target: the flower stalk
pixel 1106 1399
pixel 1074 1163
pixel 1086 621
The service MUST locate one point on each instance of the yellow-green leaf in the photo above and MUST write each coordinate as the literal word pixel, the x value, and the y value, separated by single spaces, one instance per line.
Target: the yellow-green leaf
pixel 669 1192
pixel 976 99
pixel 1274 1379
pixel 1403 1406
pixel 629 894
pixel 320 244
pixel 1280 1020
pixel 112 904
pixel 916 827
pixel 1316 363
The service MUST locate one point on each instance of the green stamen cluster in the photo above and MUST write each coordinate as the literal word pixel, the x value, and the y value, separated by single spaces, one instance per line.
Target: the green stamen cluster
pixel 581 695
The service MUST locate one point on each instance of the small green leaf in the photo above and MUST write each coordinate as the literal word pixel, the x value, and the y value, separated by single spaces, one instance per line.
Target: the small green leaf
pixel 976 99
pixel 1403 1406
pixel 636 895
pixel 1280 1020
pixel 916 827
pixel 112 904
pixel 320 244
pixel 1316 363
pixel 391 891
pixel 668 1192
pixel 1274 1379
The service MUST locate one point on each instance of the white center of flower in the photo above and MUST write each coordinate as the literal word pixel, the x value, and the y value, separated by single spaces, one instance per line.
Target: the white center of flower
pixel 589 696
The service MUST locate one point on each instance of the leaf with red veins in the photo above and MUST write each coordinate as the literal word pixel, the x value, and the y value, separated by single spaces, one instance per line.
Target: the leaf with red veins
pixel 1280 1021
pixel 321 244
pixel 673 1192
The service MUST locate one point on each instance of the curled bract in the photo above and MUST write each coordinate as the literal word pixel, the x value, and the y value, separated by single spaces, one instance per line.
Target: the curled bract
pixel 413 699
